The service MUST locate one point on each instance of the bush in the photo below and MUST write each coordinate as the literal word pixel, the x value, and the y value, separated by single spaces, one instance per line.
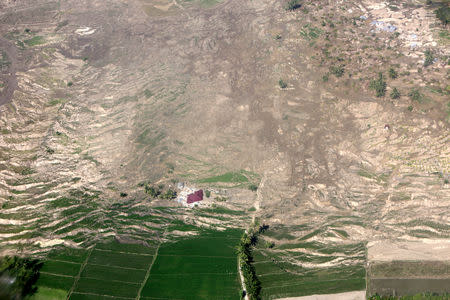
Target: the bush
pixel 293 5
pixel 325 78
pixel 207 193
pixel 428 58
pixel 70 83
pixel 337 71
pixel 416 95
pixel 253 187
pixel 282 84
pixel 379 85
pixel 395 94
pixel 169 194
pixel 392 73
pixel 123 194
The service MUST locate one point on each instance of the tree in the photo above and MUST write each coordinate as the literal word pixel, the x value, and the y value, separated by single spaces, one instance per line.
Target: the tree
pixel 282 84
pixel 443 14
pixel 395 94
pixel 18 277
pixel 379 85
pixel 293 5
pixel 392 73
pixel 253 187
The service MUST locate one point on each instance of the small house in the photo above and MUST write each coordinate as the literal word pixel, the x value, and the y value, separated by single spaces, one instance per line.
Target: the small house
pixel 195 197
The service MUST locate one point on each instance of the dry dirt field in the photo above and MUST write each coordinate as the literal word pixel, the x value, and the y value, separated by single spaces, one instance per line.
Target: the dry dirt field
pixel 98 96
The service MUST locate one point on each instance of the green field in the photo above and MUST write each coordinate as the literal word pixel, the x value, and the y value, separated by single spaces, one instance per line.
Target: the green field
pixel 201 267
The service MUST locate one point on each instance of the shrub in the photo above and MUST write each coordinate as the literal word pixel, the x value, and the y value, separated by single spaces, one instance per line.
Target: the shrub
pixel 410 108
pixel 208 193
pixel 169 194
pixel 337 71
pixel 325 78
pixel 123 194
pixel 395 94
pixel 415 95
pixel 392 73
pixel 428 58
pixel 292 5
pixel 70 83
pixel 282 84
pixel 379 85
pixel 253 187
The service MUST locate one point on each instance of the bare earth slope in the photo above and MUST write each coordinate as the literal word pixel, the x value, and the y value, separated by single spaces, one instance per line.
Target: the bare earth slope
pixel 98 96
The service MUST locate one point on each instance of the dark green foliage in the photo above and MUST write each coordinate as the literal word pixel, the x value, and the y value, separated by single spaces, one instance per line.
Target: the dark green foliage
pixel 379 85
pixel 293 5
pixel 282 84
pixel 443 14
pixel 148 93
pixel 70 83
pixel 337 71
pixel 123 194
pixel 169 194
pixel 253 187
pixel 395 94
pixel 244 251
pixel 410 108
pixel 18 277
pixel 428 58
pixel 207 193
pixel 416 95
pixel 392 73
pixel 152 191
pixel 325 78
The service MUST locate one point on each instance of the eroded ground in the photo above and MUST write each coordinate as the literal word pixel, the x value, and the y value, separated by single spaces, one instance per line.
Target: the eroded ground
pixel 99 96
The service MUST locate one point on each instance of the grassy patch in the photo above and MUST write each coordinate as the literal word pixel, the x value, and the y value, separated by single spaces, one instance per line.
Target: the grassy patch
pixel 106 287
pixel 34 41
pixel 106 258
pixel 44 293
pixel 230 177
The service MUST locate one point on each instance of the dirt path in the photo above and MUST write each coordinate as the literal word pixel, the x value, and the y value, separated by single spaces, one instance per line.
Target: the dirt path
pixel 9 74
pixel 356 295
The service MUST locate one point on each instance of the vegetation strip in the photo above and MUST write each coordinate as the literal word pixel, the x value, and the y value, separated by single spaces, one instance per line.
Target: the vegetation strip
pixel 122 252
pixel 244 250
pixel 94 294
pixel 79 273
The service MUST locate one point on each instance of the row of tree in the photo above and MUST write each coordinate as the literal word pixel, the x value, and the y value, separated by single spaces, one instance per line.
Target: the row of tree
pixel 18 277
pixel 244 251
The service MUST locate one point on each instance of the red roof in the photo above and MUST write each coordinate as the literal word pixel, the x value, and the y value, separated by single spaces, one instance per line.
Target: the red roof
pixel 195 197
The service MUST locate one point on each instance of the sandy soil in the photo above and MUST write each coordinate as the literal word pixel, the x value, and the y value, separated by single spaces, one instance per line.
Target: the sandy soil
pixel 428 250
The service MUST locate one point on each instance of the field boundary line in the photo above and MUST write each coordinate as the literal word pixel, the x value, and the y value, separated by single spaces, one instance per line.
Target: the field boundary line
pixel 108 280
pixel 122 252
pixel 147 275
pixel 230 257
pixel 178 274
pixel 79 273
pixel 126 268
pixel 56 274
pixel 65 261
pixel 94 294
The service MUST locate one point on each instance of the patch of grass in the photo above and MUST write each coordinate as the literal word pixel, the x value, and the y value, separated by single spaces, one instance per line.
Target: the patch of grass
pixel 429 58
pixel 416 95
pixel 59 267
pixel 45 293
pixel 106 287
pixel 309 32
pixel 34 41
pixel 105 258
pixel 54 102
pixel 393 73
pixel 230 177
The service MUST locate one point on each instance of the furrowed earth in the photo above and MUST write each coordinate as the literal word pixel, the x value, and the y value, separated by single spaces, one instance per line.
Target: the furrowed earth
pixel 273 111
